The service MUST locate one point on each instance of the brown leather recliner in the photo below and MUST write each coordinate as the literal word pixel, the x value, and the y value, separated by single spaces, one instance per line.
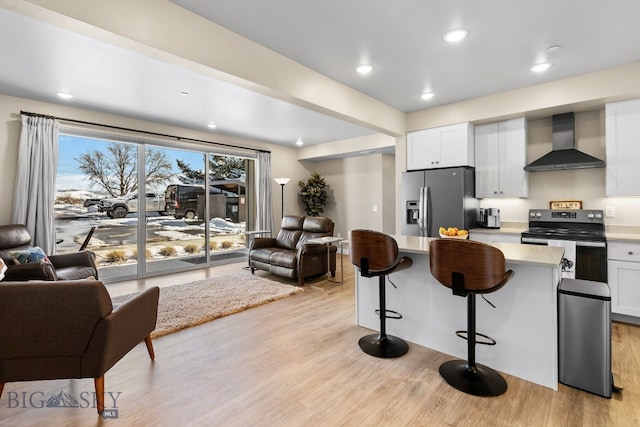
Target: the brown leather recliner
pixel 69 329
pixel 289 254
pixel 70 266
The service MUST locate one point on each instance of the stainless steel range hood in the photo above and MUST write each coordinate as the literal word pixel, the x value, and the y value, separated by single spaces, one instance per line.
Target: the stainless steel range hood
pixel 564 154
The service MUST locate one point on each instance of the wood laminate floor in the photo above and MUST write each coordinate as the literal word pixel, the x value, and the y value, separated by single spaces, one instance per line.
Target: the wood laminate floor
pixel 296 362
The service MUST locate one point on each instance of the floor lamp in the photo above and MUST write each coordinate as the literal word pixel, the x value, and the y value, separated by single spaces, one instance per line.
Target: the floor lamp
pixel 282 182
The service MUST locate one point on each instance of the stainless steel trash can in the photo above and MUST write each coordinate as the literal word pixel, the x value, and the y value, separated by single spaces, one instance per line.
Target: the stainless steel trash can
pixel 584 336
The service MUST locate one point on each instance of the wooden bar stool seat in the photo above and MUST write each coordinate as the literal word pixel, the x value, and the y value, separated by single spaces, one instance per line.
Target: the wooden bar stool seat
pixel 376 254
pixel 469 268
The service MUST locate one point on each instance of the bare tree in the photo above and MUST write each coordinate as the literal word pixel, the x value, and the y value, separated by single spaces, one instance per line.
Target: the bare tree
pixel 115 170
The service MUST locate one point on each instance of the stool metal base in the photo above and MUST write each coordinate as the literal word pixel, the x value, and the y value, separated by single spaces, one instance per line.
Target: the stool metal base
pixel 386 346
pixel 478 380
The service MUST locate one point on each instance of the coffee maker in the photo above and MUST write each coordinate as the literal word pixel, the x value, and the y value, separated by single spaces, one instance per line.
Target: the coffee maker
pixel 489 218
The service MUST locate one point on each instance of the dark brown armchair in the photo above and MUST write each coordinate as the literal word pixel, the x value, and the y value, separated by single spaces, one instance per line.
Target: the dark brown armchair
pixel 70 266
pixel 69 329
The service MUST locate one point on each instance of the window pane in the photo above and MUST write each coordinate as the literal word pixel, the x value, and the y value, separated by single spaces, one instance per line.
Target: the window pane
pixel 95 186
pixel 175 236
pixel 227 207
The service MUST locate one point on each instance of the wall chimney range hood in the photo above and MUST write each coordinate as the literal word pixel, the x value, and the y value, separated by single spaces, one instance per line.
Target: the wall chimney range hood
pixel 564 154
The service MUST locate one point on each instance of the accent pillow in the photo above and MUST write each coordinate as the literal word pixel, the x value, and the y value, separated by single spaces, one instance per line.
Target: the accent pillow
pixel 34 254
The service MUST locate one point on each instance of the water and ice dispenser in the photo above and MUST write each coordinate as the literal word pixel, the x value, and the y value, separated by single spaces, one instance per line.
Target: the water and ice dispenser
pixel 413 212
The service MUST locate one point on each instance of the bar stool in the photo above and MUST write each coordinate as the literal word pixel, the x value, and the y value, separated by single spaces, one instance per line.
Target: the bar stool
pixel 376 254
pixel 469 268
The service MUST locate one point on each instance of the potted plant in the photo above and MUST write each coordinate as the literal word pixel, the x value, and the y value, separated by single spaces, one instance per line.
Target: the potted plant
pixel 313 193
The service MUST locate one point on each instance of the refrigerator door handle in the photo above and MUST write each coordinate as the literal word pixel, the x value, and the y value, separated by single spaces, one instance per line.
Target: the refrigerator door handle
pixel 427 210
pixel 421 212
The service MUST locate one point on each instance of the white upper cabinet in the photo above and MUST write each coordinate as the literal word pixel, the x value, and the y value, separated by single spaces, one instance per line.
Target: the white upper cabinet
pixel 501 155
pixel 622 130
pixel 441 147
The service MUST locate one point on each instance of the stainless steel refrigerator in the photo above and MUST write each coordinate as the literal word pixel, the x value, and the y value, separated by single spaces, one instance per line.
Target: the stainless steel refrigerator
pixel 438 198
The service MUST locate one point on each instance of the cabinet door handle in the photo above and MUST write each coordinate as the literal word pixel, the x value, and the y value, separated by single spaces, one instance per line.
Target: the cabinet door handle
pixel 630 252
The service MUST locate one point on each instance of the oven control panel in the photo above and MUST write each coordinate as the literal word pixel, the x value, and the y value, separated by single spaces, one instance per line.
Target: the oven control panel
pixel 574 215
pixel 564 215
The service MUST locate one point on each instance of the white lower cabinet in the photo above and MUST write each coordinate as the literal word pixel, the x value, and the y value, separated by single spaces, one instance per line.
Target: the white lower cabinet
pixel 624 278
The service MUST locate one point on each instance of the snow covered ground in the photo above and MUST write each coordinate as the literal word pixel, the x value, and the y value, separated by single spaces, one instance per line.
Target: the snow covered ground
pixel 73 222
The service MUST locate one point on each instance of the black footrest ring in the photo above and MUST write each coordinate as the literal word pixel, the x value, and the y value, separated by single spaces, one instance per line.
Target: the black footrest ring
pixel 396 315
pixel 485 340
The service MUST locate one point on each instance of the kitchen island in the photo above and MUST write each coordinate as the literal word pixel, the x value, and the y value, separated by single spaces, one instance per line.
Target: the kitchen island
pixel 523 322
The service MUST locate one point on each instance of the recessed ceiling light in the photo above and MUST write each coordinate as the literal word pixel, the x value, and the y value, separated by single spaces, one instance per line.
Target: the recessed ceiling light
pixel 184 93
pixel 64 95
pixel 427 96
pixel 539 68
pixel 456 35
pixel 552 49
pixel 364 69
pixel 212 125
pixel 299 142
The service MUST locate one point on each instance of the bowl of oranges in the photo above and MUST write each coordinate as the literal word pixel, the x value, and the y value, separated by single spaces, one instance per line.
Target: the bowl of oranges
pixel 453 233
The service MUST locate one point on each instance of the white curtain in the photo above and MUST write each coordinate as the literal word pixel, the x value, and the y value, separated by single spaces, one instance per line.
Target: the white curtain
pixel 34 196
pixel 264 220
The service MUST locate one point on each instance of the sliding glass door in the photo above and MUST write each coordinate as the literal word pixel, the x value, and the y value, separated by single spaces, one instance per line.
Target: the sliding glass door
pixel 167 223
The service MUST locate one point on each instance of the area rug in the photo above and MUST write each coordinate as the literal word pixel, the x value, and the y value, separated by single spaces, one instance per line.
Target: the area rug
pixel 182 306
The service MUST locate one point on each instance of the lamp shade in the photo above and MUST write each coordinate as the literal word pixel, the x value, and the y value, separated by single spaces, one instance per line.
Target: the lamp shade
pixel 282 181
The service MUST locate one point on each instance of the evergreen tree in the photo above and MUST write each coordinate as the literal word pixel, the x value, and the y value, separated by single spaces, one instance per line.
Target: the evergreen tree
pixel 221 168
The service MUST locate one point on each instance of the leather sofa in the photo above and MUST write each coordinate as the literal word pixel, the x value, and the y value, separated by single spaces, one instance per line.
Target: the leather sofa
pixel 69 329
pixel 289 254
pixel 69 266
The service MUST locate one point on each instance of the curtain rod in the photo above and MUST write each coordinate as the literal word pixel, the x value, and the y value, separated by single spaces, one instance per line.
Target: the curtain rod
pixel 179 138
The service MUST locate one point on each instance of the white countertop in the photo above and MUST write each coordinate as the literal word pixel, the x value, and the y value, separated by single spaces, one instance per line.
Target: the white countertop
pixel 623 233
pixel 501 230
pixel 513 252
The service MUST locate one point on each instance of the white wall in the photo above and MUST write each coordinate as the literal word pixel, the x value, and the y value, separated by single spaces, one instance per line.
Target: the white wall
pixel 356 185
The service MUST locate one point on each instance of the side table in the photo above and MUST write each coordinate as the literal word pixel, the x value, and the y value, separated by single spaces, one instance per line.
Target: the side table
pixel 250 236
pixel 328 241
pixel 252 233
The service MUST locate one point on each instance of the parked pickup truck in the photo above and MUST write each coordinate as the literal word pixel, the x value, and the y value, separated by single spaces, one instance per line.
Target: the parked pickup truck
pixel 121 207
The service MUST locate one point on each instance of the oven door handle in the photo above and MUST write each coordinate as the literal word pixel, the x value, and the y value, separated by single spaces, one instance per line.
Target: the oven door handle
pixel 534 241
pixel 591 244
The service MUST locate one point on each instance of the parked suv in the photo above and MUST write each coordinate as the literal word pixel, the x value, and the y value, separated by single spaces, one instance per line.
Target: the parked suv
pixel 181 201
pixel 121 207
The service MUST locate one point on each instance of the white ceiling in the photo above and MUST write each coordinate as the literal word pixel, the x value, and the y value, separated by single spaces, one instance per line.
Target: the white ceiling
pixel 402 39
